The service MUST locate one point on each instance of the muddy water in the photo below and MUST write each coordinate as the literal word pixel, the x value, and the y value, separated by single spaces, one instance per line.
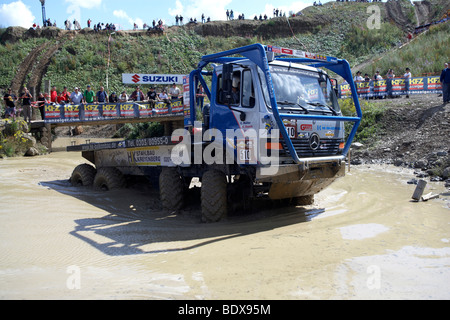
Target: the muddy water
pixel 363 239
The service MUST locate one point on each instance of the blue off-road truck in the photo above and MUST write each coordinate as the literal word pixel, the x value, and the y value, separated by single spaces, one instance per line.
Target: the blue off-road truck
pixel 273 129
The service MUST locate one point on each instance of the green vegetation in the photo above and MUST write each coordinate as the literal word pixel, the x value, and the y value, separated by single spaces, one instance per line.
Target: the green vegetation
pixel 425 54
pixel 12 139
pixel 369 127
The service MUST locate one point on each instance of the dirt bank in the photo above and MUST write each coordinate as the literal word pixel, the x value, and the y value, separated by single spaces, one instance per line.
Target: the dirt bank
pixel 413 133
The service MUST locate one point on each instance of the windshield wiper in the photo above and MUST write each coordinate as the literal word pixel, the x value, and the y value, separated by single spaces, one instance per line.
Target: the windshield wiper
pixel 295 104
pixel 318 104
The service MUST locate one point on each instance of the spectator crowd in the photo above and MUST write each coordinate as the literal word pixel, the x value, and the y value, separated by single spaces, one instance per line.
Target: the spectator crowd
pixel 87 96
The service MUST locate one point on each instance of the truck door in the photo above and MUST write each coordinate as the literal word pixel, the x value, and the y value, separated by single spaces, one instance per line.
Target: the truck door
pixel 235 109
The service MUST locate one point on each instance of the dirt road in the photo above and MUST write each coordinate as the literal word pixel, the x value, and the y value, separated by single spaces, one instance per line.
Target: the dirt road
pixel 363 239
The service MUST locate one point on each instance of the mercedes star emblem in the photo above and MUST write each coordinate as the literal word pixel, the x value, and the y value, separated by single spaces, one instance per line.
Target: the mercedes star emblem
pixel 314 141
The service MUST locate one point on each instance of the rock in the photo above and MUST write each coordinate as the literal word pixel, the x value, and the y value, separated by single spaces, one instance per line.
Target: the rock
pixel 419 164
pixel 412 181
pixel 357 145
pixel 32 152
pixel 356 162
pixel 28 140
pixel 398 163
pixel 442 153
pixel 78 130
pixel 447 183
pixel 446 173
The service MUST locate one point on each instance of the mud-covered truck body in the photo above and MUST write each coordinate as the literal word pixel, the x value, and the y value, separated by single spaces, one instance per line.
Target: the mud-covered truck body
pixel 273 128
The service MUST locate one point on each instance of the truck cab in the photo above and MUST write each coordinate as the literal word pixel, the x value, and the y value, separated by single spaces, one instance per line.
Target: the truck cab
pixel 299 90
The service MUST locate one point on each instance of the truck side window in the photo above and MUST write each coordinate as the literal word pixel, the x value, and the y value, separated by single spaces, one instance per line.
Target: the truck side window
pixel 236 90
pixel 248 90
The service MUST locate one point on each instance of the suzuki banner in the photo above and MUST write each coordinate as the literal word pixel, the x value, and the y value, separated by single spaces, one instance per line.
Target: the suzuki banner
pixel 393 87
pixel 163 79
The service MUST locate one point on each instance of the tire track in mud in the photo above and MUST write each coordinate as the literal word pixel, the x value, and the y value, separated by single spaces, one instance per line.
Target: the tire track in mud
pixel 37 63
pixel 41 66
pixel 25 68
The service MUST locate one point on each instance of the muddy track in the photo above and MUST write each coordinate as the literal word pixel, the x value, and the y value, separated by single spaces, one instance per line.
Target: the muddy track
pixel 41 66
pixel 25 67
pixel 35 63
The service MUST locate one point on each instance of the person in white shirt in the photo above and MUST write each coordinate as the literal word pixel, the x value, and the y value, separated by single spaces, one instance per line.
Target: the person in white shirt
pixel 358 77
pixel 76 97
pixel 407 77
pixel 163 97
pixel 174 92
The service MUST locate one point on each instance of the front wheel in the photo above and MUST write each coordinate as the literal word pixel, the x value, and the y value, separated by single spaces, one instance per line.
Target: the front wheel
pixel 214 196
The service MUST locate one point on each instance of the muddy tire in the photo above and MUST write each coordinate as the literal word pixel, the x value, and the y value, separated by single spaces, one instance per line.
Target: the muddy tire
pixel 304 200
pixel 214 196
pixel 109 179
pixel 83 176
pixel 171 189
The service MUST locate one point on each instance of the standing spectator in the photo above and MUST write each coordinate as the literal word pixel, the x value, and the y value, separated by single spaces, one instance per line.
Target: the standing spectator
pixel 102 96
pixel 174 92
pixel 389 77
pixel 164 97
pixel 152 96
pixel 26 104
pixel 123 97
pixel 76 97
pixel 377 76
pixel 445 81
pixel 10 106
pixel 200 96
pixel 41 101
pixel 358 77
pixel 64 97
pixel 137 95
pixel 53 95
pixel 407 77
pixel 113 98
pixel 88 96
pixel 89 23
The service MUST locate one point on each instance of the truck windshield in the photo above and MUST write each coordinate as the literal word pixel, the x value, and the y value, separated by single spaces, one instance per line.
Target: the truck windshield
pixel 303 90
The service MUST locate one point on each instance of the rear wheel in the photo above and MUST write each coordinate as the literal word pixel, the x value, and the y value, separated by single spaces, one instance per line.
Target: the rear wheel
pixel 109 179
pixel 83 175
pixel 214 196
pixel 171 189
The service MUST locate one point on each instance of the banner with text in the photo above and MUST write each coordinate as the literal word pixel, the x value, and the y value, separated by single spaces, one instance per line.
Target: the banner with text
pixel 55 113
pixel 163 79
pixel 393 87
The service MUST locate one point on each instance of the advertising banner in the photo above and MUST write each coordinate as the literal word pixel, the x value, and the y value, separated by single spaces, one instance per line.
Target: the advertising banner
pixel 138 78
pixel 393 87
pixel 54 113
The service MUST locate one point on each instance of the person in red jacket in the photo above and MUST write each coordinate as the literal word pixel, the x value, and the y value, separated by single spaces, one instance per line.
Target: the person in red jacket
pixel 53 95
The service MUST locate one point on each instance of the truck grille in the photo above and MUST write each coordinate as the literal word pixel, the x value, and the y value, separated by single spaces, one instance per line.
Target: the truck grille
pixel 303 148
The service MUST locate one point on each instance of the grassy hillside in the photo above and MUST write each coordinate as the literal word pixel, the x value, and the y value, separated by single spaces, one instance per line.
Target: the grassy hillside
pixel 336 28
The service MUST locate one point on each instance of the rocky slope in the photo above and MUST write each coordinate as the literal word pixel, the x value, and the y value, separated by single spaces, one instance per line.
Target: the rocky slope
pixel 413 133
